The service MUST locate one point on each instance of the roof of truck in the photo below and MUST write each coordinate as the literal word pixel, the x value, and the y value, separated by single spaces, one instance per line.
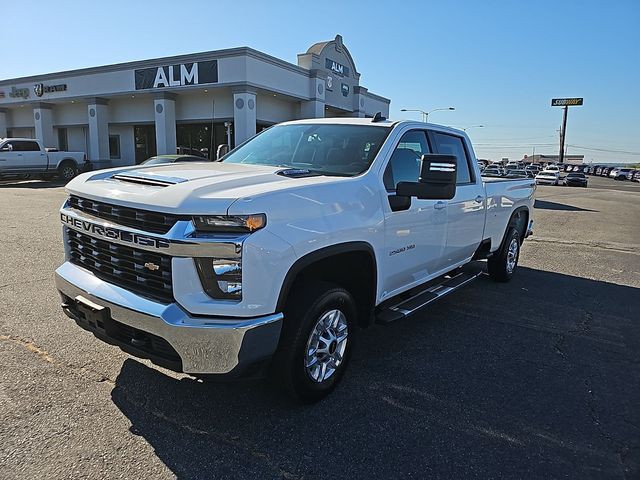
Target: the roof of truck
pixel 369 122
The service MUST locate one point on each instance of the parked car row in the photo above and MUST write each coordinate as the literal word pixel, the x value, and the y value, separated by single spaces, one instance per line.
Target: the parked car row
pixel 617 173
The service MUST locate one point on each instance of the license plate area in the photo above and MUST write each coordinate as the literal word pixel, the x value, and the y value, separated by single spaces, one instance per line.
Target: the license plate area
pixel 94 316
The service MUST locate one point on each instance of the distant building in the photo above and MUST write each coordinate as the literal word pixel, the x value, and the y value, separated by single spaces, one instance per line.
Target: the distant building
pixel 123 114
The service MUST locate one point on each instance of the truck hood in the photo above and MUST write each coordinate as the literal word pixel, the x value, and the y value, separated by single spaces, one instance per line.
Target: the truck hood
pixel 186 188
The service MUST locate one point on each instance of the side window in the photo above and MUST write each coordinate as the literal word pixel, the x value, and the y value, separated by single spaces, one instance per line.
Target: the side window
pixel 30 147
pixel 446 144
pixel 404 164
pixel 18 146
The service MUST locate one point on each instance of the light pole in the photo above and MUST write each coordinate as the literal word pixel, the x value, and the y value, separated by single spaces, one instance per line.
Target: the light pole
pixel 472 126
pixel 425 115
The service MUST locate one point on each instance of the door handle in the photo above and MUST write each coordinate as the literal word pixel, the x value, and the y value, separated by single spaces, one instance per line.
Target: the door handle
pixel 479 199
pixel 439 205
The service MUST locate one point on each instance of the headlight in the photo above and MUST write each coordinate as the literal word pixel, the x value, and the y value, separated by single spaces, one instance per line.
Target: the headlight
pixel 221 278
pixel 230 223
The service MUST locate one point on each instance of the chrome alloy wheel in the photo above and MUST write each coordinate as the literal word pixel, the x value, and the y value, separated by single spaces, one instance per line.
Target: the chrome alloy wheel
pixel 68 173
pixel 326 345
pixel 512 255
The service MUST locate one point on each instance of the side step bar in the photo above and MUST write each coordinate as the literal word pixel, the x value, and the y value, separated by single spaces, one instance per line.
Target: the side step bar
pixel 447 284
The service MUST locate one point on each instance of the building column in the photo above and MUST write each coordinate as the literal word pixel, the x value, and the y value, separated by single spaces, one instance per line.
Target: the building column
pixel 3 122
pixel 244 115
pixel 43 119
pixel 165 116
pixel 315 106
pixel 98 111
pixel 359 97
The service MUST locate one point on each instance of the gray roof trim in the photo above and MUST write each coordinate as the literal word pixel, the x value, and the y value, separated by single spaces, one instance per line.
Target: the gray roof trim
pixel 97 101
pixel 377 97
pixel 186 58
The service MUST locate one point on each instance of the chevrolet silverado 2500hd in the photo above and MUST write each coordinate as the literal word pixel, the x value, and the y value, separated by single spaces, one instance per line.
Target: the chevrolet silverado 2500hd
pixel 277 254
pixel 27 158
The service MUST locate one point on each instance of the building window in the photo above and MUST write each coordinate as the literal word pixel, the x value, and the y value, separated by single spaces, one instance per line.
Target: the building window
pixel 9 133
pixel 114 147
pixel 63 142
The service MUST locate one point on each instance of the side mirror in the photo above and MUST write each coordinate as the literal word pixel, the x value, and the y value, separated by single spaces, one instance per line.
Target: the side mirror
pixel 222 150
pixel 6 148
pixel 437 179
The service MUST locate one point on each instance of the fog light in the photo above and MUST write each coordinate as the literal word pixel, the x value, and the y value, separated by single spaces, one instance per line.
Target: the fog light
pixel 221 278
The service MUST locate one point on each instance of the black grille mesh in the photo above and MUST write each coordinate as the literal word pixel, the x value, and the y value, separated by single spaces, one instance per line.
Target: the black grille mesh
pixel 123 266
pixel 130 217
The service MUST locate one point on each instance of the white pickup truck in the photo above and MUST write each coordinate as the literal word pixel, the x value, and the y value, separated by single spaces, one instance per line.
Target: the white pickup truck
pixel 276 255
pixel 27 158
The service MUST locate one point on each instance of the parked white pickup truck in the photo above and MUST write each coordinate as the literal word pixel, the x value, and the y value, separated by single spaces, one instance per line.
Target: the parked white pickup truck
pixel 276 255
pixel 27 158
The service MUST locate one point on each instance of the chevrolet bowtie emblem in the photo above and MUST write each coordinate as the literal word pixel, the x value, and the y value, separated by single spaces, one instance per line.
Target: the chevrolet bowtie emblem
pixel 151 266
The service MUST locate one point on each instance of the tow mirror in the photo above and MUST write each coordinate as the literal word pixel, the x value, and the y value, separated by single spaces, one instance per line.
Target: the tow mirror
pixel 222 150
pixel 437 179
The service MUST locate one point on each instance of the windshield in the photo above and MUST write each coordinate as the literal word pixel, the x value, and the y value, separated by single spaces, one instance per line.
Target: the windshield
pixel 327 149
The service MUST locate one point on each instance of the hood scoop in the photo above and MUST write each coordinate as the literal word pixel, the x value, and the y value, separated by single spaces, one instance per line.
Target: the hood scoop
pixel 296 173
pixel 148 179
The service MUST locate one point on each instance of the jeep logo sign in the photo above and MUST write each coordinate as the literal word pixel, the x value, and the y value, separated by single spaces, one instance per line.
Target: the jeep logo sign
pixel 196 73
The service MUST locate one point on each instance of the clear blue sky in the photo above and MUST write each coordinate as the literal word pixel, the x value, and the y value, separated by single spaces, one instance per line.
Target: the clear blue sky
pixel 498 63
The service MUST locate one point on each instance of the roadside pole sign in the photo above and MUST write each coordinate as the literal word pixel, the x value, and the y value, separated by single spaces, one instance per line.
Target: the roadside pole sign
pixel 566 103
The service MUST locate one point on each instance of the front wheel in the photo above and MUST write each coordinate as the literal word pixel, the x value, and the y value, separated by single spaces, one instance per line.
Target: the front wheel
pixel 503 263
pixel 316 341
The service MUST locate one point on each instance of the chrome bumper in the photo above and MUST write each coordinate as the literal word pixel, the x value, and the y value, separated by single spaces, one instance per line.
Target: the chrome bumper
pixel 205 345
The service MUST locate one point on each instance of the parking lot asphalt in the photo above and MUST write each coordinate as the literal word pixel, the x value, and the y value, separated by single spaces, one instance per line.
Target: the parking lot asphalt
pixel 537 378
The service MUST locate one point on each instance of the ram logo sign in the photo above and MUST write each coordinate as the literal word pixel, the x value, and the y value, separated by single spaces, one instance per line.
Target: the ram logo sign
pixel 196 73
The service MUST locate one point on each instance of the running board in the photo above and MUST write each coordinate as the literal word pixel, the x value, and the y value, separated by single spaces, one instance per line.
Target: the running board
pixel 408 306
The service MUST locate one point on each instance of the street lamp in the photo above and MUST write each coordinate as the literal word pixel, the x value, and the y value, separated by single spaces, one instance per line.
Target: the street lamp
pixel 425 115
pixel 472 126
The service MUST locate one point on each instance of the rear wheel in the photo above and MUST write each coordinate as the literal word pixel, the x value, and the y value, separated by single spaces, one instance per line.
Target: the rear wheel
pixel 316 341
pixel 503 263
pixel 67 170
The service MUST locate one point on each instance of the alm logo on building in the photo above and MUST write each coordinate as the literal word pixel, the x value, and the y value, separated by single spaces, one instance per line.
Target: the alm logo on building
pixel 38 89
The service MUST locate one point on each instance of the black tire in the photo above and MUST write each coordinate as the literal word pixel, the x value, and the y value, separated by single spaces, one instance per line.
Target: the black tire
pixel 67 170
pixel 500 266
pixel 308 304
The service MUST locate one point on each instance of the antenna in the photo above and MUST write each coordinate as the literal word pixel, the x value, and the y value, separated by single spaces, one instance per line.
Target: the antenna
pixel 378 117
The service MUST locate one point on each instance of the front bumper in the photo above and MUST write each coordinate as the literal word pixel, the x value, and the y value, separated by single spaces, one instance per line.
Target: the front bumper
pixel 166 334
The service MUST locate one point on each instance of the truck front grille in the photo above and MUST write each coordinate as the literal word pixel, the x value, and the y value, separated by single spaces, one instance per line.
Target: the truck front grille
pixel 146 273
pixel 130 217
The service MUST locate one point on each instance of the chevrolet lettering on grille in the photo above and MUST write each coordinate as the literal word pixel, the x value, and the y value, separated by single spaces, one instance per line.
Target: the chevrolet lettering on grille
pixel 113 233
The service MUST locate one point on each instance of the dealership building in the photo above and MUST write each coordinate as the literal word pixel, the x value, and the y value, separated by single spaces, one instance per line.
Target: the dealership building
pixel 122 114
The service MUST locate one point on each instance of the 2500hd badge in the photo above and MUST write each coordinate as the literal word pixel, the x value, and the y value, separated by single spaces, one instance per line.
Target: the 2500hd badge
pixel 113 233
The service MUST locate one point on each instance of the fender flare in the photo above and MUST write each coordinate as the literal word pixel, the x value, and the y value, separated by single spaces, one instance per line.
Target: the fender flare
pixel 326 252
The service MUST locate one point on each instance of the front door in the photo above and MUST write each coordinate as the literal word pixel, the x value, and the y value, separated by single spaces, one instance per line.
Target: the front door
pixel 465 211
pixel 414 236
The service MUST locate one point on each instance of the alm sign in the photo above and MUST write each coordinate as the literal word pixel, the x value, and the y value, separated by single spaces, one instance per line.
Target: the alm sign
pixel 196 73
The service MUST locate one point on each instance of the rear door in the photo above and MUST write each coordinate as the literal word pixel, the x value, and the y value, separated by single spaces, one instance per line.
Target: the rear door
pixel 32 157
pixel 465 211
pixel 414 234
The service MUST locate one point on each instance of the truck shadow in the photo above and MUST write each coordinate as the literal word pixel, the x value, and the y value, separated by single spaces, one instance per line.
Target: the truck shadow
pixel 521 377
pixel 546 205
